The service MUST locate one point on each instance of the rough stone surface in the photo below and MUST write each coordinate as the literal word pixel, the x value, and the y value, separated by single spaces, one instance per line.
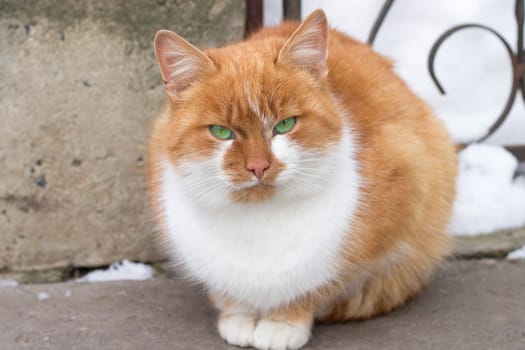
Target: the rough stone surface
pixel 79 89
pixel 470 305
pixel 495 245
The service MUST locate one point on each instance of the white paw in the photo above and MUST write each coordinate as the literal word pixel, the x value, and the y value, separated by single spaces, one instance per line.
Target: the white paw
pixel 279 335
pixel 237 329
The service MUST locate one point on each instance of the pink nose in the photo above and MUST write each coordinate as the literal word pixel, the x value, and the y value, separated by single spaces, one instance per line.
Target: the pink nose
pixel 257 166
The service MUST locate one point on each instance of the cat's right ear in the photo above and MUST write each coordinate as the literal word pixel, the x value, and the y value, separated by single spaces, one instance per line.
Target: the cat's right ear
pixel 180 62
pixel 307 48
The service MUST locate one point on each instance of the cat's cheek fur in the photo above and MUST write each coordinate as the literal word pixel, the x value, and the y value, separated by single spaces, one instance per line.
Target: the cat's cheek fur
pixel 284 149
pixel 288 153
pixel 307 170
pixel 204 181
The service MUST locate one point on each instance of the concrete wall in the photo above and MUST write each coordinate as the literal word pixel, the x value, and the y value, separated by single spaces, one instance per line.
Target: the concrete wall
pixel 78 89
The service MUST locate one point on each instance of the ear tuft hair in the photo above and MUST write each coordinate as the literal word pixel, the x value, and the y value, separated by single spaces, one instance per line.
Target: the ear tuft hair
pixel 307 48
pixel 180 62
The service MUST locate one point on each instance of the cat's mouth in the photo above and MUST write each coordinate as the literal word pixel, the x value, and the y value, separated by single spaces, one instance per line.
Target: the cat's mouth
pixel 256 192
pixel 261 184
pixel 255 184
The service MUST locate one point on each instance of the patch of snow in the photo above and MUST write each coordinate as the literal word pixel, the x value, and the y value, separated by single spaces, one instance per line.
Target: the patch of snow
pixel 488 197
pixel 8 283
pixel 43 296
pixel 124 270
pixel 68 293
pixel 517 254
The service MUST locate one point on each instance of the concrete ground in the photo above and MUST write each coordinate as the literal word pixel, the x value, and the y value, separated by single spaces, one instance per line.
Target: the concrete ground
pixel 471 304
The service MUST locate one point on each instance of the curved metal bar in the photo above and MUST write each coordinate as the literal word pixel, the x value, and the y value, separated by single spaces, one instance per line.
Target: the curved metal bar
pixel 515 76
pixel 519 12
pixel 517 59
pixel 504 113
pixel 519 71
pixel 521 84
pixel 448 33
pixel 379 21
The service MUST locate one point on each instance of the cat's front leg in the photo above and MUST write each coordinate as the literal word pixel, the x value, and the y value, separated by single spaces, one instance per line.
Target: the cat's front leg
pixel 284 329
pixel 236 323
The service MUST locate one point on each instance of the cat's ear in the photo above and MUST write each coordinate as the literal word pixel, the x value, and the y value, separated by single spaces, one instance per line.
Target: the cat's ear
pixel 180 62
pixel 307 48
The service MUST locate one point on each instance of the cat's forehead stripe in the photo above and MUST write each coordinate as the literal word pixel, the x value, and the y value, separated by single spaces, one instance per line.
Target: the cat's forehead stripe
pixel 252 104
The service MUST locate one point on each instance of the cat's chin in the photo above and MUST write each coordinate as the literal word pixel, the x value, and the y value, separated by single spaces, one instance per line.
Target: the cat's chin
pixel 256 193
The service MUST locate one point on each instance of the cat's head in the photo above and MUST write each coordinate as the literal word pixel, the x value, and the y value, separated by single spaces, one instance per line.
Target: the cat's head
pixel 253 120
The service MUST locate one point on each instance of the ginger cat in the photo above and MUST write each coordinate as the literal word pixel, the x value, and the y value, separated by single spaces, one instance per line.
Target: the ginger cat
pixel 297 178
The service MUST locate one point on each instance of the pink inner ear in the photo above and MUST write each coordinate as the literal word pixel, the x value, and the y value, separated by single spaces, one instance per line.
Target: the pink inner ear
pixel 307 47
pixel 180 62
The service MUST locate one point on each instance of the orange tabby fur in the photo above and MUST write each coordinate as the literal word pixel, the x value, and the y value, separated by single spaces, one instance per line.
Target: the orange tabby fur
pixel 407 163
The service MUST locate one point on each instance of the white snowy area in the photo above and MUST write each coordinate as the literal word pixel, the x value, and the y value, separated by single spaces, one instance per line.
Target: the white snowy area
pixel 8 283
pixel 43 296
pixel 517 254
pixel 476 73
pixel 487 196
pixel 119 271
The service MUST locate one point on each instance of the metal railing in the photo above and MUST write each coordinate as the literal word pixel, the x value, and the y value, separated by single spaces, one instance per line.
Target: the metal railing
pixel 254 13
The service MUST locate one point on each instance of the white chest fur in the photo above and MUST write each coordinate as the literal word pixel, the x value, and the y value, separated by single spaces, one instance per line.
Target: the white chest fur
pixel 264 254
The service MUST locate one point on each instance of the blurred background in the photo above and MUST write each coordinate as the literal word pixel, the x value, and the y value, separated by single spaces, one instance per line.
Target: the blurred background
pixel 79 87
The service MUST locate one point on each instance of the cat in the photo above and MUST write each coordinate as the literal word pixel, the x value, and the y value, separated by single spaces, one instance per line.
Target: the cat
pixel 297 178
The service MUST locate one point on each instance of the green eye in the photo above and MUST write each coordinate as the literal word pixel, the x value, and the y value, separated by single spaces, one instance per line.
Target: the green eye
pixel 284 126
pixel 221 132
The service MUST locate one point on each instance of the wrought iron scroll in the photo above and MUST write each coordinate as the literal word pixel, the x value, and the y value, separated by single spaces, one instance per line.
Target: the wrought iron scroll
pixel 379 21
pixel 517 61
pixel 254 14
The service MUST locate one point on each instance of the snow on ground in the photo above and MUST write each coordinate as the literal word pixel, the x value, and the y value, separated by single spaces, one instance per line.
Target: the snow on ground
pixel 124 270
pixel 517 254
pixel 488 197
pixel 8 283
pixel 43 296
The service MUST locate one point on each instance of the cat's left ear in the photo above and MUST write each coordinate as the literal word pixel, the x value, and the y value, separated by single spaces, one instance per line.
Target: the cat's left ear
pixel 180 62
pixel 307 48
